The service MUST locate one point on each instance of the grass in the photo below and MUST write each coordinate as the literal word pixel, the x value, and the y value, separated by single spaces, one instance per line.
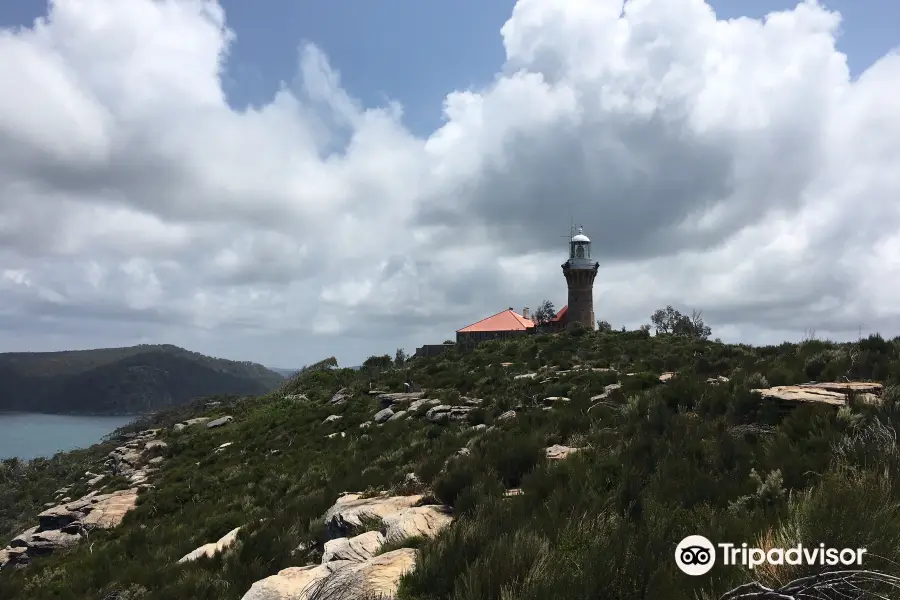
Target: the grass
pixel 658 462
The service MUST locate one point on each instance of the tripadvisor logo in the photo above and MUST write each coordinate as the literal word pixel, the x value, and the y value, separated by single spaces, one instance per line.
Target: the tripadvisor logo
pixel 696 555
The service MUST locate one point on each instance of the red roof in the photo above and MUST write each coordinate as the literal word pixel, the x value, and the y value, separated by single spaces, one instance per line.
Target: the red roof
pixel 508 320
pixel 560 315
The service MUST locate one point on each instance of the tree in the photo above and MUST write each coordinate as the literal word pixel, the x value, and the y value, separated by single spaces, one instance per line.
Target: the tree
pixel 544 313
pixel 378 362
pixel 603 326
pixel 400 357
pixel 669 320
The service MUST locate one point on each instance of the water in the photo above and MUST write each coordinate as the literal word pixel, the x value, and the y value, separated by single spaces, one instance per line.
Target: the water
pixel 29 435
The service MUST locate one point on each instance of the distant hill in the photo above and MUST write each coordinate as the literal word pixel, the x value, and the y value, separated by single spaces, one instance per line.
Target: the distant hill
pixel 132 380
pixel 284 372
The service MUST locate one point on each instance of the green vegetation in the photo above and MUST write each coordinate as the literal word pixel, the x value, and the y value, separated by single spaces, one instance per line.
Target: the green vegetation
pixel 133 380
pixel 659 461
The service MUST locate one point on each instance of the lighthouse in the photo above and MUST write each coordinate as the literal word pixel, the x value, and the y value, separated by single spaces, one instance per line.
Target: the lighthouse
pixel 580 271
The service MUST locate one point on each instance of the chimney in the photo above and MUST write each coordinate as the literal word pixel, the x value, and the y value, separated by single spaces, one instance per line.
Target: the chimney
pixel 525 313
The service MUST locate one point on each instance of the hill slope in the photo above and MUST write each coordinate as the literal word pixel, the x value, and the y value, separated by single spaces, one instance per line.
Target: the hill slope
pixel 656 459
pixel 132 380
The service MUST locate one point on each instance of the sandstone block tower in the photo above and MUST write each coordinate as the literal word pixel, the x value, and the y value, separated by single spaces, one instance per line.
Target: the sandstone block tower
pixel 580 272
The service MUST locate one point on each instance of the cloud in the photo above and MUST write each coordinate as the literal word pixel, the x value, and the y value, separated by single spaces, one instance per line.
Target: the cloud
pixel 733 166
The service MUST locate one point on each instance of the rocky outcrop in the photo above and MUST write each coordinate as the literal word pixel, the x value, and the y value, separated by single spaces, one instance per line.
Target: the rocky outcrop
pixel 340 397
pixel 190 423
pixel 377 577
pixel 607 390
pixel 293 583
pixel 551 400
pixel 331 419
pixel 64 525
pixel 387 399
pixel 211 549
pixel 416 404
pixel 831 393
pixel 666 377
pixel 349 512
pixel 508 415
pixel 383 415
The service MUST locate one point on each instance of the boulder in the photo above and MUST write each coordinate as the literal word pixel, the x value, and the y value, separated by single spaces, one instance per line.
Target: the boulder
pixel 155 461
pixel 332 419
pixel 551 400
pixel 471 401
pixel 510 414
pixel 336 434
pixel 559 452
pixel 383 415
pixel 397 415
pixel 387 399
pixel 377 577
pixel 526 376
pixel 211 549
pixel 155 444
pixel 419 521
pixel 365 425
pixel 347 514
pixel 293 583
pixel 220 422
pixel 416 404
pixel 45 542
pixel 445 411
pixel 666 377
pixel 340 397
pixel 356 549
pixel 607 390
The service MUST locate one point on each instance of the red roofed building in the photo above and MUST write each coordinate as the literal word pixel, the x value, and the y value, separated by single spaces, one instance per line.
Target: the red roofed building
pixel 503 325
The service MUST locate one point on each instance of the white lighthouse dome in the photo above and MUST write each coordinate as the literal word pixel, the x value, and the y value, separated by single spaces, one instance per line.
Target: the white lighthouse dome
pixel 580 237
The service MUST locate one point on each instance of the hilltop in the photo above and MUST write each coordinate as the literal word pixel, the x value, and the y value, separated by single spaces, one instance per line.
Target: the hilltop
pixel 547 467
pixel 130 380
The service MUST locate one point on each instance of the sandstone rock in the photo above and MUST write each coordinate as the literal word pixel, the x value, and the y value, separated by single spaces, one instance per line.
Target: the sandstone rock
pixel 666 377
pixel 796 393
pixel 191 423
pixel 155 444
pixel 416 404
pixel 108 510
pixel 336 434
pixel 383 415
pixel 356 549
pixel 296 397
pixel 717 380
pixel 293 583
pixel 525 376
pixel 845 387
pixel 559 452
pixel 155 461
pixel 480 426
pixel 211 549
pixel 213 404
pixel 332 418
pixel 349 511
pixel 340 397
pixel 513 492
pixel 387 399
pixel 510 414
pixel 471 401
pixel 444 411
pixel 95 480
pixel 378 577
pixel 219 422
pixel 21 540
pixel 45 542
pixel 397 415
pixel 418 521
pixel 555 400
pixel 365 425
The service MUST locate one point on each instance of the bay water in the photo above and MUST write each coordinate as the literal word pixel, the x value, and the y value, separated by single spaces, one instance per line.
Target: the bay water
pixel 30 435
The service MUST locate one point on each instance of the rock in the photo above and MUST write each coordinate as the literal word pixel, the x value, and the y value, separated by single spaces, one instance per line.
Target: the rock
pixel 95 480
pixel 213 404
pixel 336 434
pixel 211 549
pixel 377 577
pixel 607 390
pixel 526 376
pixel 356 549
pixel 365 425
pixel 45 542
pixel 223 446
pixel 415 405
pixel 512 492
pixel 191 423
pixel 397 415
pixel 558 452
pixel 555 399
pixel 666 377
pixel 717 380
pixel 349 511
pixel 480 426
pixel 471 401
pixel 418 521
pixel 155 461
pixel 219 422
pixel 293 583
pixel 296 397
pixel 387 399
pixel 510 414
pixel 383 415
pixel 155 444
pixel 444 411
pixel 340 397
pixel 332 419
pixel 21 540
pixel 845 387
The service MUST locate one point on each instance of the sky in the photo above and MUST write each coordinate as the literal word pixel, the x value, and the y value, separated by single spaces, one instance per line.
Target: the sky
pixel 284 181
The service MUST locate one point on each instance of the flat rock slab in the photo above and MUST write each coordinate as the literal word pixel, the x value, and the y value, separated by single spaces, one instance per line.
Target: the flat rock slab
pixel 293 583
pixel 393 398
pixel 811 393
pixel 845 387
pixel 211 549
pixel 219 422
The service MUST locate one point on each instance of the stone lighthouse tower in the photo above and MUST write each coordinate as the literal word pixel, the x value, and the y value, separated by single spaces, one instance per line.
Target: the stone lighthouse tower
pixel 580 271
